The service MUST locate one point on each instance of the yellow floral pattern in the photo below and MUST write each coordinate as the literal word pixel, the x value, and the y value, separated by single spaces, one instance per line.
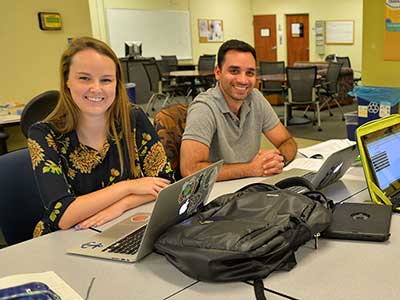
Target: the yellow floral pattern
pixel 84 159
pixel 65 168
pixel 38 231
pixel 36 152
pixel 155 160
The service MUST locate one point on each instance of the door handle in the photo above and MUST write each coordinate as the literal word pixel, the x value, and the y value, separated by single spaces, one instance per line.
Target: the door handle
pixel 274 48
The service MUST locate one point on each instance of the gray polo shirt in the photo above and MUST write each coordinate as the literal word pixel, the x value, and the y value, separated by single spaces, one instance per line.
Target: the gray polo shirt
pixel 235 140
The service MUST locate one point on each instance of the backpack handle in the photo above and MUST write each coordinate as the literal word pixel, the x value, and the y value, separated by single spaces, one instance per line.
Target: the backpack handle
pixel 295 181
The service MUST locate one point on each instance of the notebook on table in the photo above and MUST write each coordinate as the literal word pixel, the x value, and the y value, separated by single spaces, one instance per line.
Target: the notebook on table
pixel 333 168
pixel 360 221
pixel 133 238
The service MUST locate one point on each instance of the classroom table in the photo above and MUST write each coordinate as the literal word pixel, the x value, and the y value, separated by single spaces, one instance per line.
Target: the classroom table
pixel 335 271
pixel 190 75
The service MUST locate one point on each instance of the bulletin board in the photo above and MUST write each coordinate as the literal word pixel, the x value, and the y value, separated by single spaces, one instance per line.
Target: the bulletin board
pixel 339 32
pixel 391 37
pixel 211 31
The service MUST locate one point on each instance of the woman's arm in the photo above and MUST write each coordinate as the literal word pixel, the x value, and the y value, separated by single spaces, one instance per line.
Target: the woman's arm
pixel 129 192
pixel 115 210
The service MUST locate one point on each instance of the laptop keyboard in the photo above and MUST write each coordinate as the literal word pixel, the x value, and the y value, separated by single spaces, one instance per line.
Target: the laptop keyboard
pixel 127 245
pixel 298 188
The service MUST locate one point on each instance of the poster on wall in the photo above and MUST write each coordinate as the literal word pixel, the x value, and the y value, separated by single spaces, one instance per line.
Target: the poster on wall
pixel 210 31
pixel 391 37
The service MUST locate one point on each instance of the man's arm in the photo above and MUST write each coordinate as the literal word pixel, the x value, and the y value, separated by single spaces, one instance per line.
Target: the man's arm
pixel 194 156
pixel 280 137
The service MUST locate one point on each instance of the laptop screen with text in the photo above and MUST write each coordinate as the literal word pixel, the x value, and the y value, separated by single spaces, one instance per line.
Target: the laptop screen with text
pixel 384 158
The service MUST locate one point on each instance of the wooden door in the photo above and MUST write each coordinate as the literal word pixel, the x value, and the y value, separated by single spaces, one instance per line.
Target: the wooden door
pixel 264 28
pixel 297 37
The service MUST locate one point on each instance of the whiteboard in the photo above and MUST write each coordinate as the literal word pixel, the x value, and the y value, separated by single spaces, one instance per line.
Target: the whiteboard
pixel 162 32
pixel 339 32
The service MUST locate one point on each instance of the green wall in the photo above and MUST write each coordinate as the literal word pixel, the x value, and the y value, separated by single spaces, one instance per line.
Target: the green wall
pixel 30 56
pixel 376 71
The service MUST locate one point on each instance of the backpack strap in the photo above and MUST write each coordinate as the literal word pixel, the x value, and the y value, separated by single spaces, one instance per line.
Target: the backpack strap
pixel 295 181
pixel 259 289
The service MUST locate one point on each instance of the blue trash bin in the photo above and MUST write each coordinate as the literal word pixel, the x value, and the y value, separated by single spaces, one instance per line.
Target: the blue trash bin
pixel 376 102
pixel 131 91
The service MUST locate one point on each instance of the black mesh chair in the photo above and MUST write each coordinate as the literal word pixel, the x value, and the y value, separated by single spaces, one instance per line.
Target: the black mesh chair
pixel 38 109
pixel 206 63
pixel 172 61
pixel 330 57
pixel 270 68
pixel 159 92
pixel 301 83
pixel 3 141
pixel 20 203
pixel 329 89
pixel 345 61
pixel 137 74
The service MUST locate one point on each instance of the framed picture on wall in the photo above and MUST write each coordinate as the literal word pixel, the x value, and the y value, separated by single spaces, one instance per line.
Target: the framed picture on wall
pixel 210 31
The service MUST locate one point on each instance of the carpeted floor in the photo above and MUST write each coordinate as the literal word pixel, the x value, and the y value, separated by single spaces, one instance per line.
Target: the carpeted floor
pixel 332 127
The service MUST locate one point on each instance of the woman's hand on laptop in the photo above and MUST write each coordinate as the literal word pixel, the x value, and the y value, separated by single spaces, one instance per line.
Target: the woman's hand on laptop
pixel 114 211
pixel 148 185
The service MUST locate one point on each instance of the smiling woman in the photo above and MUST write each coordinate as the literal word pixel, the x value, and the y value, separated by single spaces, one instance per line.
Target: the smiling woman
pixel 95 155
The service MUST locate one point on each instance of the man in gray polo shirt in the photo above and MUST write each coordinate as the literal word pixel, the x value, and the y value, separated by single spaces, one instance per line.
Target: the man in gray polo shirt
pixel 226 122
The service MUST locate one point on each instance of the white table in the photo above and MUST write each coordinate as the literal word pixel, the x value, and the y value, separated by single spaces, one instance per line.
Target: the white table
pixel 342 269
pixel 319 273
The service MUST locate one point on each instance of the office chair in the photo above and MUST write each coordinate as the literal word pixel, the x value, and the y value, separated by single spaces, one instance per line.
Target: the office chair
pixel 20 203
pixel 330 89
pixel 206 63
pixel 270 68
pixel 3 141
pixel 38 109
pixel 172 61
pixel 330 57
pixel 301 84
pixel 345 61
pixel 137 74
pixel 170 123
pixel 154 76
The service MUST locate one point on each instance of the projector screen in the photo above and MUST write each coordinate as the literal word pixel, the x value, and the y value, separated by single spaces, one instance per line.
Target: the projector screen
pixel 162 32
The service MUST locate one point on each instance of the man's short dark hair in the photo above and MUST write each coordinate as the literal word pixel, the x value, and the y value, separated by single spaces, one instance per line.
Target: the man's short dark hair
pixel 235 45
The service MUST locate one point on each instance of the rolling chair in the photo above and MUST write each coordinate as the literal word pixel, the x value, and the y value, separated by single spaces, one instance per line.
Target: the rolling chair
pixel 172 61
pixel 155 79
pixel 302 91
pixel 170 123
pixel 3 141
pixel 330 89
pixel 38 109
pixel 20 203
pixel 345 61
pixel 271 68
pixel 206 63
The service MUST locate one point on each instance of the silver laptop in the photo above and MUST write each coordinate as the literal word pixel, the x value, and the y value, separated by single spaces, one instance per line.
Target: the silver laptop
pixel 133 238
pixel 333 168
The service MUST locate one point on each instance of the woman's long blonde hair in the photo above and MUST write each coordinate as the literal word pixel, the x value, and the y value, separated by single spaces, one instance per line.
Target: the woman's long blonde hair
pixel 65 115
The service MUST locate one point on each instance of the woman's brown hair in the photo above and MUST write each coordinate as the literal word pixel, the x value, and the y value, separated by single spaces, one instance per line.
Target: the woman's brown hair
pixel 65 115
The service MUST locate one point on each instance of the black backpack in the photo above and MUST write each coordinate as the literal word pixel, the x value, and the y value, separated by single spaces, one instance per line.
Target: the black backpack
pixel 248 234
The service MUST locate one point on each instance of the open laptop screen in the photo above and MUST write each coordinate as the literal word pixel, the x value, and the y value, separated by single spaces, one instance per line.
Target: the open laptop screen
pixel 384 158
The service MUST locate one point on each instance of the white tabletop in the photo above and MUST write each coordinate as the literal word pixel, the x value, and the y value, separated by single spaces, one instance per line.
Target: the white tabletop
pixel 337 270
